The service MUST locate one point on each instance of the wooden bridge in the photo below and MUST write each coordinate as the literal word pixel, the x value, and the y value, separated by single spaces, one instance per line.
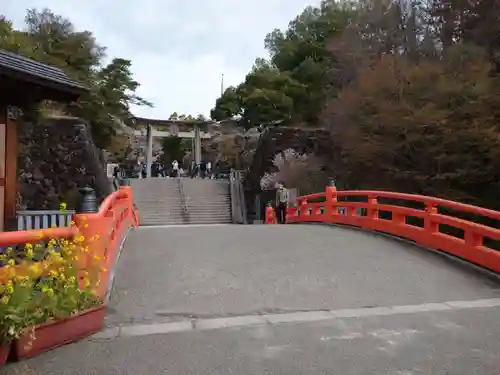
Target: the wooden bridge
pixel 399 284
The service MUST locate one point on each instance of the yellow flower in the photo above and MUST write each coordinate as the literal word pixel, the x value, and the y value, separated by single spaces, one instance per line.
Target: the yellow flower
pixel 35 268
pixel 29 253
pixel 11 262
pixel 5 300
pixel 79 239
pixel 53 273
pixel 23 280
pixel 48 291
pixel 9 250
pixel 63 207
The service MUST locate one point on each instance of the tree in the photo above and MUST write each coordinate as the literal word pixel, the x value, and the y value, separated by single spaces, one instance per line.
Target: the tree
pixel 176 117
pixel 111 94
pixel 291 85
pixel 429 128
pixel 295 170
pixel 228 151
pixel 227 106
pixel 172 148
pixel 53 39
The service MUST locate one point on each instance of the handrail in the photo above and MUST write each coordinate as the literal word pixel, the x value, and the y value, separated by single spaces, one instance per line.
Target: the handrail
pixel 232 192
pixel 35 235
pixel 182 195
pixel 243 204
pixel 103 233
pixel 473 246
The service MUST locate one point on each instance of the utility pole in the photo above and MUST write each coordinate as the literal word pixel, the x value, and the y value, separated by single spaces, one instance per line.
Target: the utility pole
pixel 222 85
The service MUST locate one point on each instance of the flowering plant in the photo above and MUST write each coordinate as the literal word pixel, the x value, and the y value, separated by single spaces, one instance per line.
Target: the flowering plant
pixel 295 170
pixel 46 281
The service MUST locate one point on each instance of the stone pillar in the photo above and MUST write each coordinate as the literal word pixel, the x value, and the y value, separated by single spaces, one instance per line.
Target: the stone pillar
pixel 149 151
pixel 197 144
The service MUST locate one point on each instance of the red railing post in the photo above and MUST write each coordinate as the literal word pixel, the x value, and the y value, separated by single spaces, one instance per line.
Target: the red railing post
pixel 130 204
pixel 331 207
pixel 430 225
pixel 304 211
pixel 372 212
pixel 473 239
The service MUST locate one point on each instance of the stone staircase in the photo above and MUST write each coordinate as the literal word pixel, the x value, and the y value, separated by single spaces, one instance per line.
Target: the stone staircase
pixel 170 201
pixel 207 201
pixel 159 201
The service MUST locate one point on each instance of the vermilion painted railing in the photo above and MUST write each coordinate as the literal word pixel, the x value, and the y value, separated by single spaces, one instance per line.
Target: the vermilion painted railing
pixel 103 233
pixel 330 207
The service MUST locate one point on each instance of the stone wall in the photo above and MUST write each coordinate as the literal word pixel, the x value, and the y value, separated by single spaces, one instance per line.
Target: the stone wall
pixel 57 157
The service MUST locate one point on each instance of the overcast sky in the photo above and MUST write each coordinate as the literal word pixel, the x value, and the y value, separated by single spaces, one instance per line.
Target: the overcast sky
pixel 179 48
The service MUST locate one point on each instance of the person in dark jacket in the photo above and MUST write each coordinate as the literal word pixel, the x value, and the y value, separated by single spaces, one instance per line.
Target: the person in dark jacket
pixel 282 199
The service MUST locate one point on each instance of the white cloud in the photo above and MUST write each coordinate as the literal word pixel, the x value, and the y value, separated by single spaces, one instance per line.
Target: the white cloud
pixel 178 48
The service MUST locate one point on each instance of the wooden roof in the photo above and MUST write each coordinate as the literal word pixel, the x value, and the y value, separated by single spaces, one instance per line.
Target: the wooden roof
pixel 22 69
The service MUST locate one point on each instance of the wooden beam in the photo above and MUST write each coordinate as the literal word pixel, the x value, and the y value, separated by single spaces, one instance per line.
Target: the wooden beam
pixel 11 155
pixel 3 124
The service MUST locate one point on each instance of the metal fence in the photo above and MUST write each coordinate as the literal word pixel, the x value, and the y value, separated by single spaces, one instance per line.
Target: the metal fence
pixel 43 219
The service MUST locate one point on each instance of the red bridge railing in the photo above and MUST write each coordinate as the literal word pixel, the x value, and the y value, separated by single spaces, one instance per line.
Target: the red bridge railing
pixel 103 233
pixel 431 222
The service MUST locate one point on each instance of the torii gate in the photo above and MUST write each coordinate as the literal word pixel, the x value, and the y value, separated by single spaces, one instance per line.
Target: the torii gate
pixel 196 135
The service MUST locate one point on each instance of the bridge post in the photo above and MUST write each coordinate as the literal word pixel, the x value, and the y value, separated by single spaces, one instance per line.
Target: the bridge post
pixel 331 208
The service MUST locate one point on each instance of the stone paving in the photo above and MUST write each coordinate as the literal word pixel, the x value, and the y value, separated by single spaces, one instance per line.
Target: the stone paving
pixel 294 299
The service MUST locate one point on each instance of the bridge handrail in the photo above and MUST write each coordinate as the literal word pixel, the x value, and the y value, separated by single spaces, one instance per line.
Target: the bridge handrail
pixel 330 207
pixel 103 233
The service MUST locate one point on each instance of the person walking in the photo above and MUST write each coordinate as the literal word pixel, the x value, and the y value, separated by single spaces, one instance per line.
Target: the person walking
pixel 203 169
pixel 175 168
pixel 209 169
pixel 282 198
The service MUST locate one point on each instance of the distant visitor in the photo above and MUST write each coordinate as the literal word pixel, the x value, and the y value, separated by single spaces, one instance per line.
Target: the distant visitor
pixel 282 199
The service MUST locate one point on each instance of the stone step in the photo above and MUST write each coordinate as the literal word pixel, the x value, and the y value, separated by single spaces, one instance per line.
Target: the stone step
pixel 159 201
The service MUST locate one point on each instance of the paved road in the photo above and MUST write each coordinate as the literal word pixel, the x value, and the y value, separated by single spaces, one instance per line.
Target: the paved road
pixel 292 299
